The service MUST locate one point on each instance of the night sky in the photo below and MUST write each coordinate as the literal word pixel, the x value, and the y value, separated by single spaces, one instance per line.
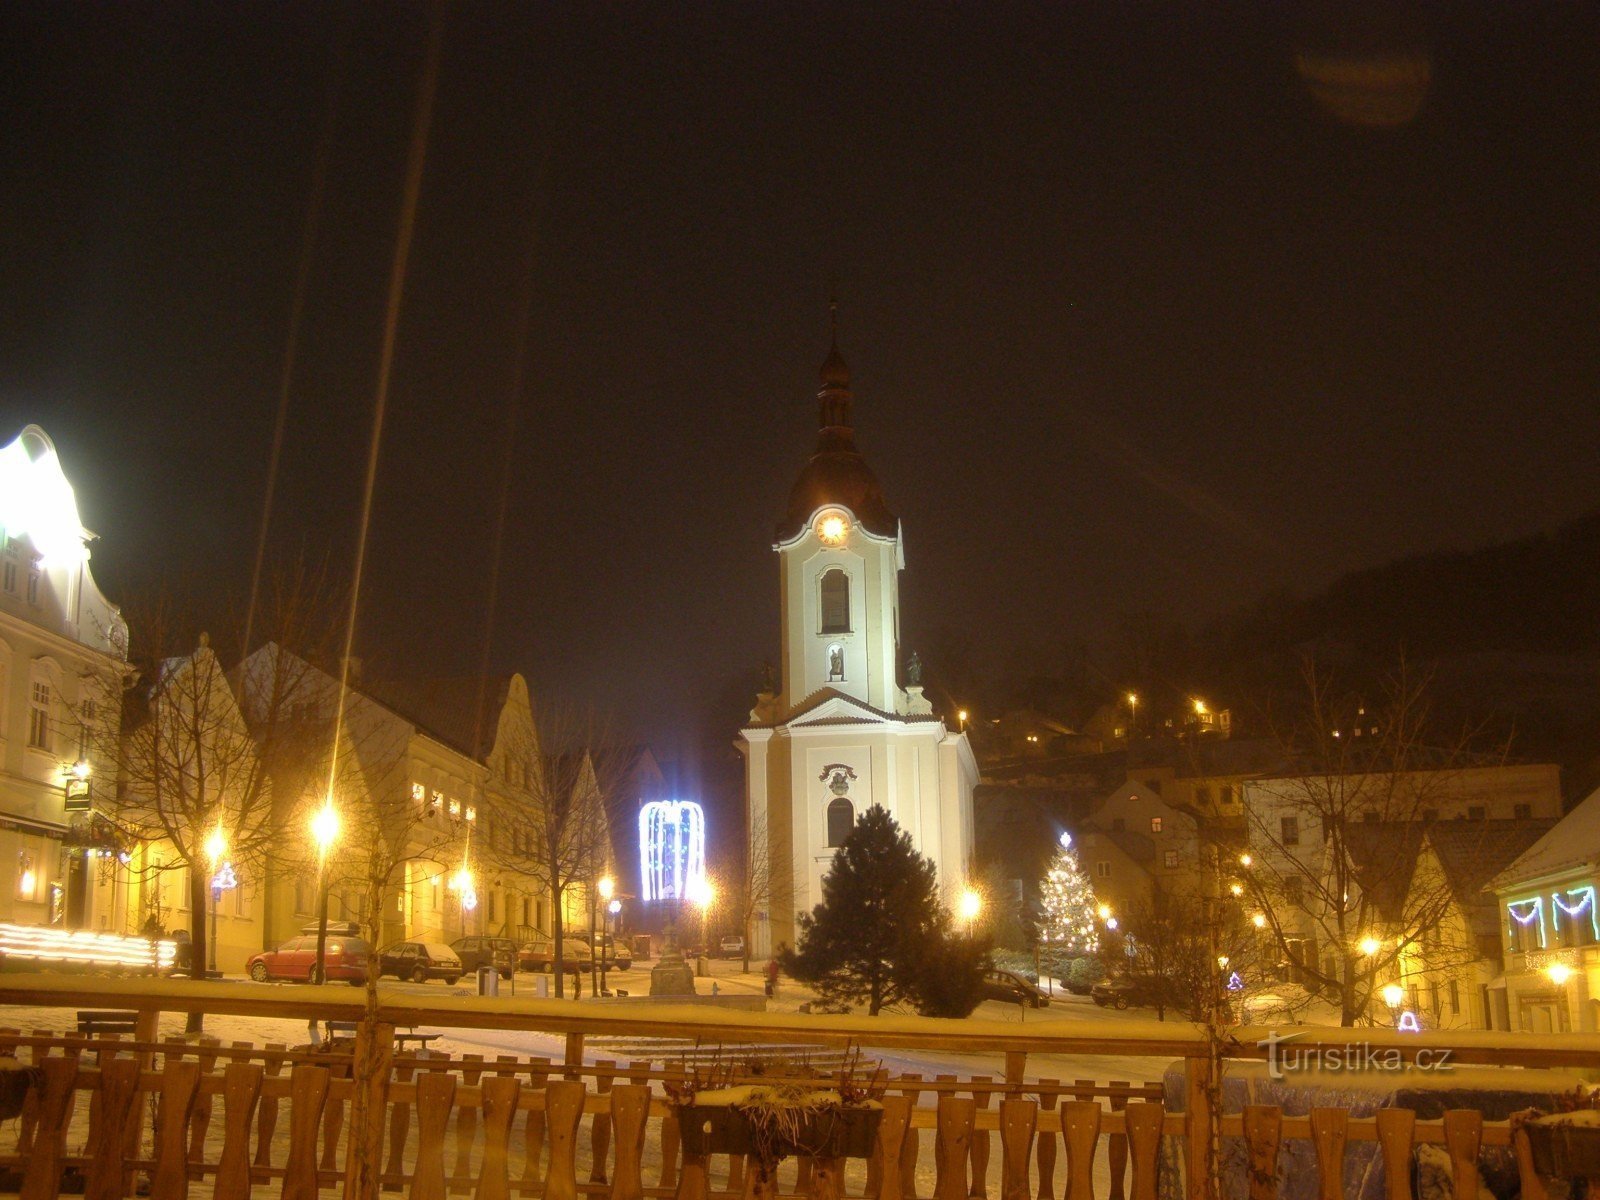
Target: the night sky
pixel 1141 315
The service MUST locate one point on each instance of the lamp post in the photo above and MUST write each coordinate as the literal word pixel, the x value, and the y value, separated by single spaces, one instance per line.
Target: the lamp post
pixel 704 896
pixel 607 887
pixel 216 847
pixel 324 831
pixel 971 906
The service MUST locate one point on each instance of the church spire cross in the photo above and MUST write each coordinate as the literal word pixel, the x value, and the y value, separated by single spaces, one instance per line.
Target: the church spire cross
pixel 833 401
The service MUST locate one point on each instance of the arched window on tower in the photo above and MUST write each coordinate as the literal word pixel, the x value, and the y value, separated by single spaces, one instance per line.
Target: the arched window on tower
pixel 841 820
pixel 835 601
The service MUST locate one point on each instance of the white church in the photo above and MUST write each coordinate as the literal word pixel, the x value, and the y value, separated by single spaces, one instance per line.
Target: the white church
pixel 840 732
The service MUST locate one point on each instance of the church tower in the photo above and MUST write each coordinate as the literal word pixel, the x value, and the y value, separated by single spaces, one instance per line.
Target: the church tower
pixel 840 732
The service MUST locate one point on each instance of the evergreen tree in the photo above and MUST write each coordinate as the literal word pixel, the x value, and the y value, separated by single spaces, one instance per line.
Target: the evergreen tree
pixel 1069 905
pixel 880 924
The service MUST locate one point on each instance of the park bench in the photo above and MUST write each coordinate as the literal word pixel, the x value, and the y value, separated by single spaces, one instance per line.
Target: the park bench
pixel 95 1022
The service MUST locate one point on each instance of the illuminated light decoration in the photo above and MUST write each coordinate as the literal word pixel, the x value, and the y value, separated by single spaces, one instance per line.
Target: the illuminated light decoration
pixel 1235 984
pixel 36 500
pixel 1559 973
pixel 1585 904
pixel 225 879
pixel 614 907
pixel 1111 922
pixel 672 849
pixel 1535 912
pixel 43 944
pixel 1409 1023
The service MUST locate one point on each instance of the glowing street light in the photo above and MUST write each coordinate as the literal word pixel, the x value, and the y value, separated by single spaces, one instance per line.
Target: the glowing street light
pixel 961 716
pixel 607 888
pixel 1370 946
pixel 1393 994
pixel 971 904
pixel 1105 912
pixel 1245 860
pixel 324 832
pixel 1559 973
pixel 1259 920
pixel 1236 889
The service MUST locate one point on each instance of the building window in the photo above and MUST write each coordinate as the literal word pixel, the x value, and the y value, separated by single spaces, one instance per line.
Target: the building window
pixel 1294 889
pixel 1455 998
pixel 39 716
pixel 835 593
pixel 841 819
pixel 419 796
pixel 1227 794
pixel 490 913
pixel 33 587
pixel 1171 859
pixel 1102 868
pixel 438 803
pixel 1202 796
pixel 1289 830
pixel 1415 997
pixel 1155 824
pixel 527 911
pixel 1522 812
pixel 1475 812
pixel 302 895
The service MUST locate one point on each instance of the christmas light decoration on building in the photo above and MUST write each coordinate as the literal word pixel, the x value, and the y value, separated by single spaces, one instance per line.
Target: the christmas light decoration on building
pixel 1535 912
pixel 672 849
pixel 1585 904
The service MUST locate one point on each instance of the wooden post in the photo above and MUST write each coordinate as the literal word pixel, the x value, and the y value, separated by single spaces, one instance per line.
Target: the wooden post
pixel 119 1088
pixel 600 1125
pixel 1117 1145
pixel 500 1097
pixel 308 1092
pixel 1144 1121
pixel 436 1096
pixel 909 1148
pixel 41 1178
pixel 630 1114
pixel 267 1120
pixel 893 1127
pixel 1049 1097
pixel 979 1187
pixel 1329 1127
pixel 1017 1121
pixel 533 1127
pixel 1396 1132
pixel 1080 1130
pixel 1202 1085
pixel 573 1058
pixel 241 1091
pixel 466 1126
pixel 180 1085
pixel 1263 1130
pixel 956 1117
pixel 564 1101
pixel 1463 1135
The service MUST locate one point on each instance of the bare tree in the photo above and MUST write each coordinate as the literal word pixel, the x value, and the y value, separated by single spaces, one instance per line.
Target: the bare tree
pixel 1335 839
pixel 552 806
pixel 755 889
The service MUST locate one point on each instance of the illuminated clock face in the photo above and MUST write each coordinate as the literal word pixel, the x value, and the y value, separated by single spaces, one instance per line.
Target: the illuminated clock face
pixel 833 528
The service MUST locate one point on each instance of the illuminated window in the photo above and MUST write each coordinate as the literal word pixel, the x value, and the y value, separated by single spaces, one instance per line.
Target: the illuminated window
pixel 1102 868
pixel 841 819
pixel 1171 858
pixel 27 876
pixel 419 795
pixel 39 716
pixel 835 589
pixel 1155 824
pixel 472 813
pixel 455 808
pixel 438 802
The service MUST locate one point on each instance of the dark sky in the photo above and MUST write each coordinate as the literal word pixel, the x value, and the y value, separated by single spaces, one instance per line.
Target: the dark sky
pixel 1136 320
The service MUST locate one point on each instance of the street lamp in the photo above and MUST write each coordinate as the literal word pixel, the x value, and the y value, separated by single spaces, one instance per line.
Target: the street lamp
pixel 1133 713
pixel 971 906
pixel 324 831
pixel 216 847
pixel 607 887
pixel 703 896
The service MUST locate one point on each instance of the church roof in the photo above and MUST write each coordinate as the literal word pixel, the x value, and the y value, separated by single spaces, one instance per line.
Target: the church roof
pixel 865 713
pixel 837 472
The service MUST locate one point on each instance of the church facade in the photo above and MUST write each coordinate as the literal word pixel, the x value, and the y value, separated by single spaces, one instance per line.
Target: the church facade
pixel 840 731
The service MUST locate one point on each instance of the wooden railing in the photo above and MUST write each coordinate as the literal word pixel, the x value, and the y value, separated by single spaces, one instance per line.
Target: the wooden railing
pixel 122 1115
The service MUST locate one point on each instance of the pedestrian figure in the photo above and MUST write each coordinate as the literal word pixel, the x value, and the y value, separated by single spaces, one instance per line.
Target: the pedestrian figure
pixel 772 977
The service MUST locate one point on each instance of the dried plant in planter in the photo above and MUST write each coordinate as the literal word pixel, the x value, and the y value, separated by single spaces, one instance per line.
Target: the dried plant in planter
pixel 1565 1144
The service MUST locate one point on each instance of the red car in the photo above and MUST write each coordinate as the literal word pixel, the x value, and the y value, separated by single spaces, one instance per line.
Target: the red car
pixel 343 958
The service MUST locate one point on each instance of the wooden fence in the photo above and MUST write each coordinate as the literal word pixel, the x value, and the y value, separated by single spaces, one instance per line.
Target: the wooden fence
pixel 119 1117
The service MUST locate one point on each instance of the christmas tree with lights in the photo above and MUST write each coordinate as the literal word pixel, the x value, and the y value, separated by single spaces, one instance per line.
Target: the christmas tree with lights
pixel 1068 904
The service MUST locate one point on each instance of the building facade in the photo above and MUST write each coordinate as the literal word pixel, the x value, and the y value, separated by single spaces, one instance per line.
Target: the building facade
pixel 63 651
pixel 841 731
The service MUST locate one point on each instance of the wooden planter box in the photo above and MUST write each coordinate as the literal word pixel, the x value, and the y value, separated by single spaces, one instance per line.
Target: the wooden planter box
pixel 827 1133
pixel 1565 1151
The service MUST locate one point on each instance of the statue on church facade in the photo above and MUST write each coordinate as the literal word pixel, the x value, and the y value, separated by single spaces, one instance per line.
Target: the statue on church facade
pixel 914 670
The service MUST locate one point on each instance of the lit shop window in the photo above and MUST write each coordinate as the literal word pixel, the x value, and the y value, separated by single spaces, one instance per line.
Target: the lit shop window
pixel 27 876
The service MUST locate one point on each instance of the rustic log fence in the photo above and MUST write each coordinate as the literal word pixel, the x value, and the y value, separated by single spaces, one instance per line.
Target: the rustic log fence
pixel 116 1116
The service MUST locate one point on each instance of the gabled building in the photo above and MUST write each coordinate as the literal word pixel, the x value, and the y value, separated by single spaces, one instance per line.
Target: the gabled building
pixel 1549 929
pixel 63 658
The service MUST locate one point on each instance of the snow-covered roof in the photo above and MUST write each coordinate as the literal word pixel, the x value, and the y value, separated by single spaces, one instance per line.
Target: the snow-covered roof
pixel 1573 843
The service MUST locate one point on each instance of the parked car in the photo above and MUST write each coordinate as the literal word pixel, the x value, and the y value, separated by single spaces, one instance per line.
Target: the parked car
pixel 731 946
pixel 343 958
pixel 1000 984
pixel 420 962
pixel 538 954
pixel 475 952
pixel 614 956
pixel 1139 991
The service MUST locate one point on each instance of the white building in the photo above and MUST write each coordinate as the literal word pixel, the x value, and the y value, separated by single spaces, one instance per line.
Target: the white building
pixel 840 733
pixel 63 650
